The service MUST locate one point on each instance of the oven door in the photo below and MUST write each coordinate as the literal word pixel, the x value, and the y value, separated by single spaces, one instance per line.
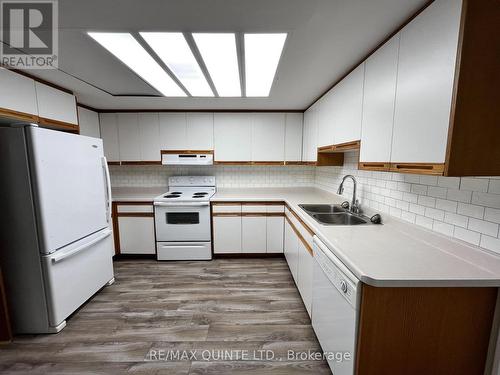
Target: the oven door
pixel 182 221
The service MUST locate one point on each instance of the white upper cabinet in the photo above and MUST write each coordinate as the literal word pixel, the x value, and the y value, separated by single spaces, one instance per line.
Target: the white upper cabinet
pixel 293 136
pixel 17 92
pixel 109 135
pixel 325 112
pixel 310 135
pixel 427 57
pixel 200 131
pixel 129 136
pixel 89 123
pixel 268 137
pixel 54 104
pixel 346 107
pixel 378 103
pixel 233 136
pixel 149 136
pixel 173 131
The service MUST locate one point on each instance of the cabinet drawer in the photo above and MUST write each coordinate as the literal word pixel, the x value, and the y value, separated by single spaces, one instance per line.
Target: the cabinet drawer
pixel 275 208
pixel 134 208
pixel 226 207
pixel 254 208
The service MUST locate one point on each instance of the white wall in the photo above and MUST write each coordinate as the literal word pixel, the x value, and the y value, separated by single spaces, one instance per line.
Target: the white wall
pixel 465 208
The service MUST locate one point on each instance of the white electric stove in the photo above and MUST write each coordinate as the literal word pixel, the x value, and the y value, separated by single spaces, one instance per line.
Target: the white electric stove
pixel 182 219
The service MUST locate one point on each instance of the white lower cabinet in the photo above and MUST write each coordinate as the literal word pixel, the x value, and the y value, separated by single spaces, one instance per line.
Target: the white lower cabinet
pixel 274 229
pixel 253 234
pixel 227 234
pixel 137 235
pixel 291 250
pixel 305 270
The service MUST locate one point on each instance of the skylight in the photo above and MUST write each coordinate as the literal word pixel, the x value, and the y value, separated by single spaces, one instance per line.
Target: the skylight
pixel 173 49
pixel 221 59
pixel 262 55
pixel 127 49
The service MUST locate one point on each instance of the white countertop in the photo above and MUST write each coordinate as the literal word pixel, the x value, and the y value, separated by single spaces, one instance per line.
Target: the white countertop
pixel 394 254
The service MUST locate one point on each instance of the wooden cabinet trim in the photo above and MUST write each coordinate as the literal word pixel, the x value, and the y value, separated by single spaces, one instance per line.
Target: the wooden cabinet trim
pixel 144 162
pixel 299 235
pixel 330 159
pixel 309 230
pixel 59 125
pixel 227 214
pixel 374 166
pixel 340 147
pixel 418 168
pixel 4 112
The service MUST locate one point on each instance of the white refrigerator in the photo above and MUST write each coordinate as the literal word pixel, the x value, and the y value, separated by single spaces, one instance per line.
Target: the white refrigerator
pixel 56 244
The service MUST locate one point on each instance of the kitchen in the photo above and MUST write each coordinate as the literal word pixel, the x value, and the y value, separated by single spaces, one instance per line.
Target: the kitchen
pixel 224 187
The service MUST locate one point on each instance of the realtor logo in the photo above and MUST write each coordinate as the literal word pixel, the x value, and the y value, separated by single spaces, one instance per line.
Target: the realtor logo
pixel 29 34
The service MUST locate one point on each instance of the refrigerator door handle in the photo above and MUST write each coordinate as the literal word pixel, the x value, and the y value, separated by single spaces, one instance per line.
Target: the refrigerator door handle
pixel 108 187
pixel 60 257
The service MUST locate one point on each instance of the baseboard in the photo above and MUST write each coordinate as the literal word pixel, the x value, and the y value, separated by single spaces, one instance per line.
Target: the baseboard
pixel 248 255
pixel 133 256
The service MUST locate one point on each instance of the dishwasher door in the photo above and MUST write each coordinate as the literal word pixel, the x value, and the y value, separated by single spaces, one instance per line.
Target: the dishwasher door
pixel 335 309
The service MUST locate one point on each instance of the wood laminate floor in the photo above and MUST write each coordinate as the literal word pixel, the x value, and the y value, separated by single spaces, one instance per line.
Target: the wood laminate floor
pixel 240 309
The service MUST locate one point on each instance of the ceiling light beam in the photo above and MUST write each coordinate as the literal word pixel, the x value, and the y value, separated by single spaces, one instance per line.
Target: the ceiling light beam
pixel 160 62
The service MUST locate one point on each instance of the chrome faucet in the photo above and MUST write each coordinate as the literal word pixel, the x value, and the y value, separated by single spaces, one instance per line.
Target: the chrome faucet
pixel 355 203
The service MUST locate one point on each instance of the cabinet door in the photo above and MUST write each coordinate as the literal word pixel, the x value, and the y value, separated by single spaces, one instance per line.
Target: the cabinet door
pixel 291 247
pixel 293 136
pixel 173 131
pixel 275 234
pixel 129 136
pixel 305 270
pixel 227 234
pixel 347 107
pixel 326 113
pixel 55 104
pixel 17 92
pixel 200 131
pixel 137 235
pixel 309 138
pixel 253 234
pixel 149 136
pixel 233 136
pixel 109 134
pixel 89 123
pixel 268 137
pixel 378 103
pixel 426 68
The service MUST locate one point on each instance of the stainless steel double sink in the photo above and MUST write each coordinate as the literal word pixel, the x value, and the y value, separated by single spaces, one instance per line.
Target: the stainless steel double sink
pixel 333 214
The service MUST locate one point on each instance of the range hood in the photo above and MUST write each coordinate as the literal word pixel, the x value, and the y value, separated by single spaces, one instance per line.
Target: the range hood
pixel 187 157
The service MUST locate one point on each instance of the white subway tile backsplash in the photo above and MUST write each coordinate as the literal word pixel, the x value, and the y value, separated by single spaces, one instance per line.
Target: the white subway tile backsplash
pixel 437 192
pixel 470 210
pixel 429 180
pixel 427 201
pixel 494 186
pixel 434 213
pixel 449 182
pixel 419 189
pixel 444 204
pixel 492 214
pixel 443 228
pixel 490 243
pixel 485 227
pixel 459 195
pixel 416 209
pixel 486 199
pixel 424 222
pixel 474 184
pixel 467 235
pixel 455 219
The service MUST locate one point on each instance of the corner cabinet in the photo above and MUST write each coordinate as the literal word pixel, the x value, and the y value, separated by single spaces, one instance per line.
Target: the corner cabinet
pixel 440 69
pixel 109 133
pixel 89 123
pixel 56 107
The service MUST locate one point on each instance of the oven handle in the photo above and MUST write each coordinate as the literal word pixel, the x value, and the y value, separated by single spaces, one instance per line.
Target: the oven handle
pixel 181 204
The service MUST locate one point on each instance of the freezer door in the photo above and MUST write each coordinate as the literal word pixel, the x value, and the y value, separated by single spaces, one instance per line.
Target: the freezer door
pixel 76 272
pixel 69 186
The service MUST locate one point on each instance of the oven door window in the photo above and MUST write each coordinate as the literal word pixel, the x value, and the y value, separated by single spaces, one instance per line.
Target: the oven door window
pixel 184 218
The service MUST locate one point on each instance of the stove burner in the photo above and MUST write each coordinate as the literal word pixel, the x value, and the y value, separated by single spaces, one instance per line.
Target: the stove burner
pixel 172 196
pixel 175 192
pixel 200 193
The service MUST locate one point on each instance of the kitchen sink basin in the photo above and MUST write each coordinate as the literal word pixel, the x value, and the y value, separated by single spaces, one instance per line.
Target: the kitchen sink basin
pixel 322 208
pixel 344 218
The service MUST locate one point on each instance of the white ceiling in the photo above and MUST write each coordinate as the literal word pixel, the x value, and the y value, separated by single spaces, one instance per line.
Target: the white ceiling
pixel 326 37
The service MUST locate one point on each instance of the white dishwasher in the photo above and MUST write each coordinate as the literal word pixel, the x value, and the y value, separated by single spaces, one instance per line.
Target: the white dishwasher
pixel 335 305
